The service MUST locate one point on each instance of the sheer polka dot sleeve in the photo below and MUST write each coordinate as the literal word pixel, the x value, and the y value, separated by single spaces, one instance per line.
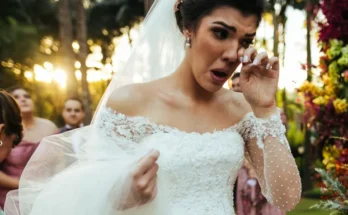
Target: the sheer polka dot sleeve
pixel 268 152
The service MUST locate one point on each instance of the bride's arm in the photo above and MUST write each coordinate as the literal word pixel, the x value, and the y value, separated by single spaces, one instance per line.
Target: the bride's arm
pixel 269 154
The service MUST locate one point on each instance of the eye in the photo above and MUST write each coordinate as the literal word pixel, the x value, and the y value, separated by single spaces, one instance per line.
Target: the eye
pixel 26 96
pixel 220 33
pixel 247 43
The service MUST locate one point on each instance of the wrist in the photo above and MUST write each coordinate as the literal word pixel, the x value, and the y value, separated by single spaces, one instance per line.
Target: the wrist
pixel 264 112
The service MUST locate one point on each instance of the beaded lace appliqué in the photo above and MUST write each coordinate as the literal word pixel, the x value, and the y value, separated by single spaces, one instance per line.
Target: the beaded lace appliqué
pixel 117 125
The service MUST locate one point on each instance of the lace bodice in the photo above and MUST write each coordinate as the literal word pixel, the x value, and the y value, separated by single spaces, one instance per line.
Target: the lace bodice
pixel 201 168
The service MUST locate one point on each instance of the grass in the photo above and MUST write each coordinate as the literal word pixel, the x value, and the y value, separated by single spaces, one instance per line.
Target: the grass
pixel 303 208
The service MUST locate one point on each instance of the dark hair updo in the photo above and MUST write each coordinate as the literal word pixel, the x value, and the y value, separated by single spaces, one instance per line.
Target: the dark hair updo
pixel 190 12
pixel 14 88
pixel 10 116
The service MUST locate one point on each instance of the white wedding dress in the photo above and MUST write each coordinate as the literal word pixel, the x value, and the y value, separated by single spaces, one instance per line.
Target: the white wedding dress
pixel 196 175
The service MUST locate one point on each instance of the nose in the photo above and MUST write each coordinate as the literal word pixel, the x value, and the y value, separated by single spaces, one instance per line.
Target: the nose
pixel 22 99
pixel 230 54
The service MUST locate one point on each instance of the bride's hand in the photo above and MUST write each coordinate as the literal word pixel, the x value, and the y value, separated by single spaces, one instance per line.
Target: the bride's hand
pixel 259 81
pixel 144 178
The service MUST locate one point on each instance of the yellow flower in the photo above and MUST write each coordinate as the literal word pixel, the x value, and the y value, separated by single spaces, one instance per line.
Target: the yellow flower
pixel 340 105
pixel 321 100
pixel 326 79
pixel 329 89
pixel 268 18
pixel 311 88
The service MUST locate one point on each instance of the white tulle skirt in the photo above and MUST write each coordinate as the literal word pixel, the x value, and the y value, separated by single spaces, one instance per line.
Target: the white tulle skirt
pixel 95 180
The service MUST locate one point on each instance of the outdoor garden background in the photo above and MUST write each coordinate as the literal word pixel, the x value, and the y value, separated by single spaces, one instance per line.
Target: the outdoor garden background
pixel 57 48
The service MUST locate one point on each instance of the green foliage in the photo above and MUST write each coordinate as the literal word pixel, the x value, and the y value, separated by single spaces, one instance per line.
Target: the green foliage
pixel 314 193
pixel 17 41
pixel 8 78
pixel 303 208
pixel 338 201
pixel 295 134
pixel 332 184
pixel 330 205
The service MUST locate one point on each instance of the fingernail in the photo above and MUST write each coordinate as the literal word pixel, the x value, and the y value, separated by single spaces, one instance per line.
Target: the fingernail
pixel 246 59
pixel 268 66
pixel 241 59
pixel 256 62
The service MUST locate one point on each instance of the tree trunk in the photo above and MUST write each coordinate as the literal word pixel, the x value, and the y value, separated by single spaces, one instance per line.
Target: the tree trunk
pixel 309 51
pixel 81 35
pixel 66 52
pixel 275 33
pixel 307 183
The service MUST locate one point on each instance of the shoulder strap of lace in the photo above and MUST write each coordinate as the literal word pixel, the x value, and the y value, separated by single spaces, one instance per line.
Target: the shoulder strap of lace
pixel 252 127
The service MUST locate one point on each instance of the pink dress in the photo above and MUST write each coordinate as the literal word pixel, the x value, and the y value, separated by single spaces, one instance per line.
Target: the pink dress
pixel 15 163
pixel 250 201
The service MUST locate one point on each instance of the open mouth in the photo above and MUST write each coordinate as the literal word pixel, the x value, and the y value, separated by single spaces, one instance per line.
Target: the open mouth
pixel 219 74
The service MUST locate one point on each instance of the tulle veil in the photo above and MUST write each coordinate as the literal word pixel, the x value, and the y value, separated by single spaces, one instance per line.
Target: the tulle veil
pixel 80 173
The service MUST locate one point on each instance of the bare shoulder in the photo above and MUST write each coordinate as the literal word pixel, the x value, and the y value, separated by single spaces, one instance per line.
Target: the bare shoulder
pixel 47 124
pixel 130 99
pixel 236 103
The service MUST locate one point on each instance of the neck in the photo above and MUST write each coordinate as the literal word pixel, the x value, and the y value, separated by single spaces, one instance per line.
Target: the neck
pixel 74 126
pixel 28 120
pixel 186 83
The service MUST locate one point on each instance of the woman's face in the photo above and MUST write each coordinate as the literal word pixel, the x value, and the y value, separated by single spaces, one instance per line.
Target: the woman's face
pixel 217 45
pixel 24 100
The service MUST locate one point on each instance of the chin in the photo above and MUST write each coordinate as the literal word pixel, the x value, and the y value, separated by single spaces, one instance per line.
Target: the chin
pixel 26 110
pixel 212 88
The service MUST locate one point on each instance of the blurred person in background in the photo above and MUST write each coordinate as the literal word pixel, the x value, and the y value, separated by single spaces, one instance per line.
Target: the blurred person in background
pixel 34 129
pixel 11 133
pixel 235 82
pixel 73 114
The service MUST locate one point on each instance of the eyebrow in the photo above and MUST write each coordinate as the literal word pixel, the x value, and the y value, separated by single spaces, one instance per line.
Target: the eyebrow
pixel 234 29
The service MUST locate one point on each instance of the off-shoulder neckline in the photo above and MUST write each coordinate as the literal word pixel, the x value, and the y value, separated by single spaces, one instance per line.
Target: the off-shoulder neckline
pixel 169 128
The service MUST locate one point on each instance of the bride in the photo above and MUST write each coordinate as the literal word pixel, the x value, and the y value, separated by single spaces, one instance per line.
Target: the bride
pixel 172 144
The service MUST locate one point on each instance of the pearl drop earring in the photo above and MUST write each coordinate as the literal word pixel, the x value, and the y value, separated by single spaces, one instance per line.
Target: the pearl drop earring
pixel 188 43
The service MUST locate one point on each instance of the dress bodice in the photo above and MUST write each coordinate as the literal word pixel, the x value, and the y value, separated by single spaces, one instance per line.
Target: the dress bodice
pixel 14 164
pixel 200 169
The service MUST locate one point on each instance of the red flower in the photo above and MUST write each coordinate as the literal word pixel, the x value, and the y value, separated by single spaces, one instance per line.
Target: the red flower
pixel 336 25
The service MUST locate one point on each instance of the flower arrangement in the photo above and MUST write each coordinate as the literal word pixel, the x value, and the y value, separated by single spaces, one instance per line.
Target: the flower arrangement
pixel 326 103
pixel 326 106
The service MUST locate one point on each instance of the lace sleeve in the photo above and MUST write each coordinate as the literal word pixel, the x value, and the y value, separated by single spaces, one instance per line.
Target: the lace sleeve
pixel 268 152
